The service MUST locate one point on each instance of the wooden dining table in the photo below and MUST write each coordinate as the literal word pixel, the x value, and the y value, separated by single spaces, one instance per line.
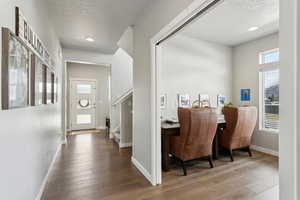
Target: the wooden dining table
pixel 173 129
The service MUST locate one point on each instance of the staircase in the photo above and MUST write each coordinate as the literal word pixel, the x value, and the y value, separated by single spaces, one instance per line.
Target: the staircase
pixel 122 119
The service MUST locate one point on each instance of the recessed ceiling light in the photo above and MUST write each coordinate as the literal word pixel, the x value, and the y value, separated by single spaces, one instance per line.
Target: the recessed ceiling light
pixel 89 39
pixel 254 28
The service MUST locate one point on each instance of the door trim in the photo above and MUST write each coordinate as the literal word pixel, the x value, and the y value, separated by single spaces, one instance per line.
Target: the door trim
pixel 69 103
pixel 196 7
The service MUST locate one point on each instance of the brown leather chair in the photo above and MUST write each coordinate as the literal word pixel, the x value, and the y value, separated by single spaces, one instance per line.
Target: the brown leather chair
pixel 240 124
pixel 197 130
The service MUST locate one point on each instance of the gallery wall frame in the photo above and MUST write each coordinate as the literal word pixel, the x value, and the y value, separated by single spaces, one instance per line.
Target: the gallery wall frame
pixel 48 85
pixel 14 71
pixel 52 87
pixel 36 72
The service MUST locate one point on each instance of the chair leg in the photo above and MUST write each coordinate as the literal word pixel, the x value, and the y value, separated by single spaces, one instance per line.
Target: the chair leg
pixel 231 155
pixel 183 168
pixel 210 162
pixel 249 151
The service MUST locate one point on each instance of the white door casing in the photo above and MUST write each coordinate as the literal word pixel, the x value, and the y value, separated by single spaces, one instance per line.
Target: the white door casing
pixel 82 104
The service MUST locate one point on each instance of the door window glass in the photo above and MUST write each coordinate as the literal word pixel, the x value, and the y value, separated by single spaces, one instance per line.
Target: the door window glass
pixel 84 89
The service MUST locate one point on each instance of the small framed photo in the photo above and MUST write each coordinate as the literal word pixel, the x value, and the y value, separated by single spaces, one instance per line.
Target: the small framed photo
pixel 204 100
pixel 163 101
pixel 184 100
pixel 245 94
pixel 221 100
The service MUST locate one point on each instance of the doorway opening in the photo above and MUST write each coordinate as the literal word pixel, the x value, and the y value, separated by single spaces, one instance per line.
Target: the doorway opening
pixel 88 97
pixel 217 55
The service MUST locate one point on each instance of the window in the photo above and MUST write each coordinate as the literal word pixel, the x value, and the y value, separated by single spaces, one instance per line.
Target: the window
pixel 84 89
pixel 269 91
pixel 269 56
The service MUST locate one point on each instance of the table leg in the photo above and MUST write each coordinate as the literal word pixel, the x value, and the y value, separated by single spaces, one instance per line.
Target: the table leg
pixel 165 152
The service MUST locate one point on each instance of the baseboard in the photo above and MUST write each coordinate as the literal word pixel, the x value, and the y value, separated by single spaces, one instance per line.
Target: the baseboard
pixel 265 150
pixel 44 183
pixel 101 128
pixel 142 170
pixel 124 145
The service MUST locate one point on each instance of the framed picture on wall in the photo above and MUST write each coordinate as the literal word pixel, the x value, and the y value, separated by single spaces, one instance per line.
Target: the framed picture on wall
pixel 46 85
pixel 56 89
pixel 49 86
pixel 52 87
pixel 184 100
pixel 221 100
pixel 15 72
pixel 37 83
pixel 163 101
pixel 245 94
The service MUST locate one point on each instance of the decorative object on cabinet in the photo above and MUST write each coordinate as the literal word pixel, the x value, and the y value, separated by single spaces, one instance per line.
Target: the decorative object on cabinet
pixel 196 104
pixel 204 100
pixel 15 71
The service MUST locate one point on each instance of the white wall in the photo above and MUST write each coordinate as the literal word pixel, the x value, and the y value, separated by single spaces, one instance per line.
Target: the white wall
pixel 89 57
pixel 126 41
pixel 193 66
pixel 121 72
pixel 156 15
pixel 101 74
pixel 289 143
pixel 121 80
pixel 29 136
pixel 246 75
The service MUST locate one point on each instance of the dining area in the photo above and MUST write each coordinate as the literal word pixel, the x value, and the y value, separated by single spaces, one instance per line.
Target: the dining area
pixel 201 134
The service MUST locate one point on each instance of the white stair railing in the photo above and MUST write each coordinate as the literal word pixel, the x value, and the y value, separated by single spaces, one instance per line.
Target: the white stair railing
pixel 122 97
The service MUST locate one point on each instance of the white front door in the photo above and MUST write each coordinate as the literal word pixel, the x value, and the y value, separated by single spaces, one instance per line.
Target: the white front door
pixel 83 104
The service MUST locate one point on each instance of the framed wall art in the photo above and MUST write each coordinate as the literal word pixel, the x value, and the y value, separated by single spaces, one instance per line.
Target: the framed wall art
pixel 37 83
pixel 15 71
pixel 47 75
pixel 163 101
pixel 245 94
pixel 221 100
pixel 53 87
pixel 56 89
pixel 184 100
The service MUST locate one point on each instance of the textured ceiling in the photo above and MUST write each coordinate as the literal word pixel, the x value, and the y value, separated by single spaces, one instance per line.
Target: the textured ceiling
pixel 229 22
pixel 103 20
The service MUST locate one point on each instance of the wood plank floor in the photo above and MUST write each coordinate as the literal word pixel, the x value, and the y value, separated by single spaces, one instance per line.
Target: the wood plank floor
pixel 91 167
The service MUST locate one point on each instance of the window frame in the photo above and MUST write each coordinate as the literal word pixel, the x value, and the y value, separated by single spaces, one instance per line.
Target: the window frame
pixel 261 55
pixel 265 67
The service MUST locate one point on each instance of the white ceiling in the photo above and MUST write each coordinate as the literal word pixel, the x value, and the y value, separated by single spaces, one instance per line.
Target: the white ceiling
pixel 228 23
pixel 103 20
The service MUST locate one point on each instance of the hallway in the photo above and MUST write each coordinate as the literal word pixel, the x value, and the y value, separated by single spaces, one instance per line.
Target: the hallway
pixel 92 167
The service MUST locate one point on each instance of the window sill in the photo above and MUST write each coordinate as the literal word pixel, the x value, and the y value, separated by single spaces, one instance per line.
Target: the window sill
pixel 268 131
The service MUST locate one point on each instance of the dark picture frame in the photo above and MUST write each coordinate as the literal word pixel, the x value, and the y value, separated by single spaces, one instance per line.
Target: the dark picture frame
pixel 14 71
pixel 52 87
pixel 37 82
pixel 48 86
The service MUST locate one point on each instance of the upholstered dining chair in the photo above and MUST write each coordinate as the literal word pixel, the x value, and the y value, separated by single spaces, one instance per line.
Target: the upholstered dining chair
pixel 240 124
pixel 197 130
